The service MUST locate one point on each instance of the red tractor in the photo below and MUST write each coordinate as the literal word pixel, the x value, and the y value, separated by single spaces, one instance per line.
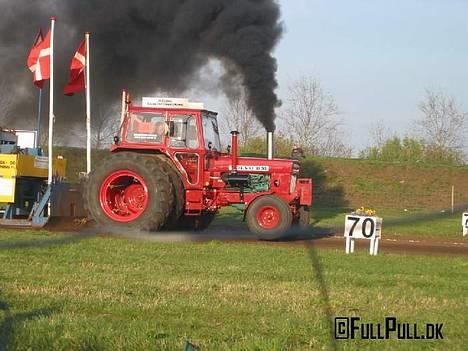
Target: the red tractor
pixel 166 168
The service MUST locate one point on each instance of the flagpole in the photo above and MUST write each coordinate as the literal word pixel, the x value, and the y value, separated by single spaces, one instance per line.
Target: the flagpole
pixel 51 100
pixel 88 107
pixel 39 112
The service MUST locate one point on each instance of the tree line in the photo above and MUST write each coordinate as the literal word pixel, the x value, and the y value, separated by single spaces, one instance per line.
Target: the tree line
pixel 310 119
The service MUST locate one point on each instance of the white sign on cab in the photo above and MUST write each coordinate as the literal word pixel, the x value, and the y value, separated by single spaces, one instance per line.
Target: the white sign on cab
pixel 363 227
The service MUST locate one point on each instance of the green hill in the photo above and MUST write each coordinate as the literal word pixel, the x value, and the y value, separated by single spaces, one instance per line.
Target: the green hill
pixel 354 183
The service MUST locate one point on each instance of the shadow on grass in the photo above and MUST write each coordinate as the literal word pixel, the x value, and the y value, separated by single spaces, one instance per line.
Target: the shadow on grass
pixel 427 217
pixel 11 321
pixel 325 194
pixel 38 243
pixel 324 294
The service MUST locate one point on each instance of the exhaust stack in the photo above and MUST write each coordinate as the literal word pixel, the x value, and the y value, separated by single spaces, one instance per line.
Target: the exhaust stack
pixel 234 149
pixel 124 107
pixel 270 145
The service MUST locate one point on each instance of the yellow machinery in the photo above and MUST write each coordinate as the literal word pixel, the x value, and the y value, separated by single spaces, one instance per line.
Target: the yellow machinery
pixel 14 166
pixel 24 191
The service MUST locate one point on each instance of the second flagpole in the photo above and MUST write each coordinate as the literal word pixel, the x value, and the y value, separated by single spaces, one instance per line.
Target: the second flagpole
pixel 51 101
pixel 88 108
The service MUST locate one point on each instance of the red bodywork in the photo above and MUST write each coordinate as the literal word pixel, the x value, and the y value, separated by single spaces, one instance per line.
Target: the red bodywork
pixel 202 169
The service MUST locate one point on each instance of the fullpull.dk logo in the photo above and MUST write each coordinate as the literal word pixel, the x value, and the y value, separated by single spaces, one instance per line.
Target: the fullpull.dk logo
pixel 350 328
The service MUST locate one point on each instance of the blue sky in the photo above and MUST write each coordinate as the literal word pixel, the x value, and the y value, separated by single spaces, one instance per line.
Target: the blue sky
pixel 376 57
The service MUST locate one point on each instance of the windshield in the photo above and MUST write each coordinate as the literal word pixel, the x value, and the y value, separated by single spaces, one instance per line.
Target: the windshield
pixel 211 133
pixel 146 128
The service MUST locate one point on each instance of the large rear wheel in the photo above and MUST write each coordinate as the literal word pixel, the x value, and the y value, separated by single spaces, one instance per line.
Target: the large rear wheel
pixel 178 190
pixel 269 217
pixel 131 191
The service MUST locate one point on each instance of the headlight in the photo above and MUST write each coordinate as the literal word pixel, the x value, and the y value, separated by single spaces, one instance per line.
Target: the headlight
pixel 292 185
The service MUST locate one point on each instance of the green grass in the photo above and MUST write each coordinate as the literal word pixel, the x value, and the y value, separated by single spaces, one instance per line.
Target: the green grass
pixel 410 222
pixel 106 293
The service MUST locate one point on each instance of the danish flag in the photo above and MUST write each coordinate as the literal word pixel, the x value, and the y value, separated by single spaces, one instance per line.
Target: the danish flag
pixel 39 59
pixel 76 80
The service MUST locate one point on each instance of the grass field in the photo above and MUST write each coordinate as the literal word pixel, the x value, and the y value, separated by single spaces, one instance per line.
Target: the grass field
pixel 102 293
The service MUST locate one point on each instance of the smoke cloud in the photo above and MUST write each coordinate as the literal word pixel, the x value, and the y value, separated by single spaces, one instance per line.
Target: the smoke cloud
pixel 144 46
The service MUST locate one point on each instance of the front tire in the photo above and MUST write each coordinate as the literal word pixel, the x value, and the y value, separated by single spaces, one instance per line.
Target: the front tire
pixel 269 217
pixel 131 191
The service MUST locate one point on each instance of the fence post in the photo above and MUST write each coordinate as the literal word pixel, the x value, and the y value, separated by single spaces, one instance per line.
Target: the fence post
pixel 453 198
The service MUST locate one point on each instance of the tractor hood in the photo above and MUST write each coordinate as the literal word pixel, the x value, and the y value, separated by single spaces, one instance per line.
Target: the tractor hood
pixel 256 165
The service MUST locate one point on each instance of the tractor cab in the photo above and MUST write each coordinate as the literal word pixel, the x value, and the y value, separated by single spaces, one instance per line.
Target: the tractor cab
pixel 169 123
pixel 176 127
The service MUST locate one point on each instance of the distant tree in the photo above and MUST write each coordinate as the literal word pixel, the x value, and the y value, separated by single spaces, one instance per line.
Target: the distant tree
pixel 442 123
pixel 380 133
pixel 6 100
pixel 257 146
pixel 396 149
pixel 104 125
pixel 311 117
pixel 59 138
pixel 410 149
pixel 238 116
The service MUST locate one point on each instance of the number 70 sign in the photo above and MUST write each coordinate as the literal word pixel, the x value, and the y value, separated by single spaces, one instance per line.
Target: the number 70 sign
pixel 361 227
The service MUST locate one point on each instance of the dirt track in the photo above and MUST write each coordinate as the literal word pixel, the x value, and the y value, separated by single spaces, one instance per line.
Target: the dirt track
pixel 396 244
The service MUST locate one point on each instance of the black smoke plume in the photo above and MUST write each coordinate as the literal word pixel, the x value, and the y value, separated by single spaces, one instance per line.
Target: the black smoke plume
pixel 145 46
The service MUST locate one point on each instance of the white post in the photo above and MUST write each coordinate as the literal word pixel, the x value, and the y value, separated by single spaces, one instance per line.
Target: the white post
pixel 88 108
pixel 371 246
pixel 376 246
pixel 352 245
pixel 453 198
pixel 348 245
pixel 51 100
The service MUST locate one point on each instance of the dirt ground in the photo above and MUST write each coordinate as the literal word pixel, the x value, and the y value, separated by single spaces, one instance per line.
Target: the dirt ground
pixel 395 244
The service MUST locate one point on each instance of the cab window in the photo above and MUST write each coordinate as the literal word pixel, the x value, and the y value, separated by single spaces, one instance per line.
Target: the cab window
pixel 146 128
pixel 184 132
pixel 211 132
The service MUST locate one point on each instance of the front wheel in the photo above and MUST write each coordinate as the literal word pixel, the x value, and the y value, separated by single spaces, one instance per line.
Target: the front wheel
pixel 269 217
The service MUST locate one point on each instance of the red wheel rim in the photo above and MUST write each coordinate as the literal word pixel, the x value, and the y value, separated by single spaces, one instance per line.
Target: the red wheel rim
pixel 268 217
pixel 123 196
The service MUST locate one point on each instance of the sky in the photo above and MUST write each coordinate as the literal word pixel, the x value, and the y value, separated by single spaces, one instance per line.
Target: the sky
pixel 376 57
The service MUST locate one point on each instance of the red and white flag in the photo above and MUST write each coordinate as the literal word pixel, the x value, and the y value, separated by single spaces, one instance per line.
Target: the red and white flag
pixel 76 80
pixel 39 59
